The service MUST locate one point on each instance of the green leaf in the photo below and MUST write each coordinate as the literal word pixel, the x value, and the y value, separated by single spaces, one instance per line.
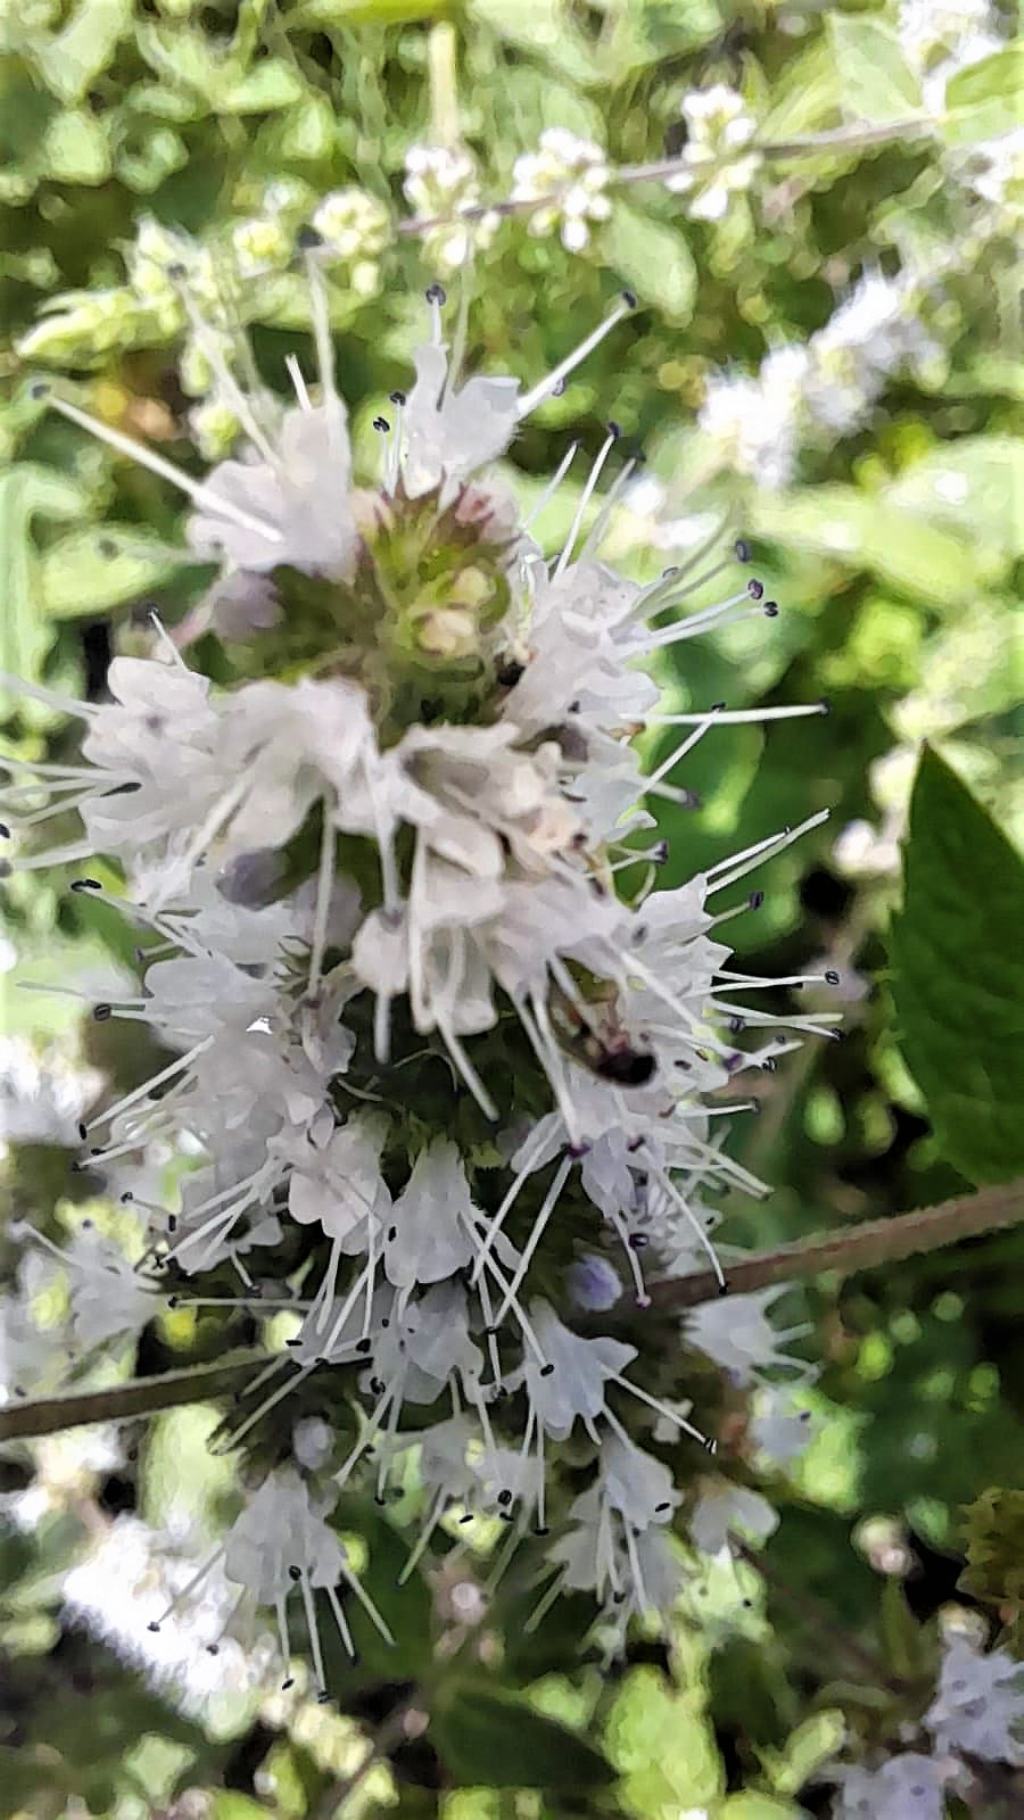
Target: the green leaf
pixel 70 61
pixel 985 99
pixel 805 97
pixel 659 1739
pixel 874 80
pixel 27 491
pixel 88 572
pixel 749 1805
pixel 865 531
pixel 542 30
pixel 655 260
pixel 268 86
pixel 74 149
pixel 958 974
pixel 813 1743
pixel 975 485
pixel 492 1739
pixel 367 12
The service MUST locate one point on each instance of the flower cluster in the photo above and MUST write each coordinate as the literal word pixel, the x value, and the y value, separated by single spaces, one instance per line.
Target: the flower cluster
pixel 822 390
pixel 568 176
pixel 719 158
pixel 442 1082
pixel 977 1714
pixel 441 184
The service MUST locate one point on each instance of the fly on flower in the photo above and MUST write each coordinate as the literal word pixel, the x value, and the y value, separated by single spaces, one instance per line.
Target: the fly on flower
pixel 434 1061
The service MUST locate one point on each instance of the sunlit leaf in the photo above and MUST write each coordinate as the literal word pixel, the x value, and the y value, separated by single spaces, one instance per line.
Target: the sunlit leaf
pixel 985 99
pixel 875 82
pixel 88 572
pixel 655 261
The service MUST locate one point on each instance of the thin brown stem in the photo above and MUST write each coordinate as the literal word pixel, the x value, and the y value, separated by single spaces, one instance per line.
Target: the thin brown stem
pixel 855 1248
pixel 839 139
pixel 141 1397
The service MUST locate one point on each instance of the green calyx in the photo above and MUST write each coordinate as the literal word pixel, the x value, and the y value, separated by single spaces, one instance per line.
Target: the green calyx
pixel 414 624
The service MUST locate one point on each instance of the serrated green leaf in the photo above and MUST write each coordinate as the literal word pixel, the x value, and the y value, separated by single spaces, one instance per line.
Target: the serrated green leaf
pixel 226 1805
pixel 749 1805
pixel 88 572
pixel 958 974
pixel 975 485
pixel 490 1738
pixel 805 97
pixel 985 99
pixel 875 82
pixel 655 261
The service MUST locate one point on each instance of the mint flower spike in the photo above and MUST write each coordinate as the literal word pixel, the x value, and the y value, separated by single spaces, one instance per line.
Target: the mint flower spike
pixel 439 1111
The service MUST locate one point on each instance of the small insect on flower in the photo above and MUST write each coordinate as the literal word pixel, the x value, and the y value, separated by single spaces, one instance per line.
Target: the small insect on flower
pixel 595 1039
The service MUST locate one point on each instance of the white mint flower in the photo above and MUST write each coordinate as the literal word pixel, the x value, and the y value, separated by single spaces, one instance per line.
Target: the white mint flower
pixel 723 1511
pixel 979 1704
pixel 908 1787
pixel 355 228
pixel 437 1072
pixel 568 176
pixel 738 1335
pixel 441 181
pixel 718 160
pixel 779 1429
pixel 753 425
pixel 280 1542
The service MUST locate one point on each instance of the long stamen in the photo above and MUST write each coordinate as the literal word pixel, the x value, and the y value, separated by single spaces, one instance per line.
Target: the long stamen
pixel 196 490
pixel 776 843
pixel 547 1209
pixel 553 485
pixel 314 1634
pixel 736 717
pixel 572 361
pixel 584 500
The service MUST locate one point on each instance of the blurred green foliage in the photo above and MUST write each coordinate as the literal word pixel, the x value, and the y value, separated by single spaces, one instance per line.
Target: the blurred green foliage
pixel 896 554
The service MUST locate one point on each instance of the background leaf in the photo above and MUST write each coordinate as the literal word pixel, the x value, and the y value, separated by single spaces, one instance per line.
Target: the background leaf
pixel 487 1737
pixel 958 974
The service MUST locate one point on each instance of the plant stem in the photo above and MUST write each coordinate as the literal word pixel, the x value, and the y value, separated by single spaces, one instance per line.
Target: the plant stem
pixel 119 1402
pixel 855 1248
pixel 840 140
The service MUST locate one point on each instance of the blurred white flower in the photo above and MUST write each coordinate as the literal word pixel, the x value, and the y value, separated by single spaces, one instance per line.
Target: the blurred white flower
pixel 574 174
pixel 940 37
pixel 717 164
pixel 724 1510
pixel 43 1092
pixel 995 171
pixel 907 1787
pixel 979 1704
pixel 355 227
pixel 441 181
pixel 753 424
